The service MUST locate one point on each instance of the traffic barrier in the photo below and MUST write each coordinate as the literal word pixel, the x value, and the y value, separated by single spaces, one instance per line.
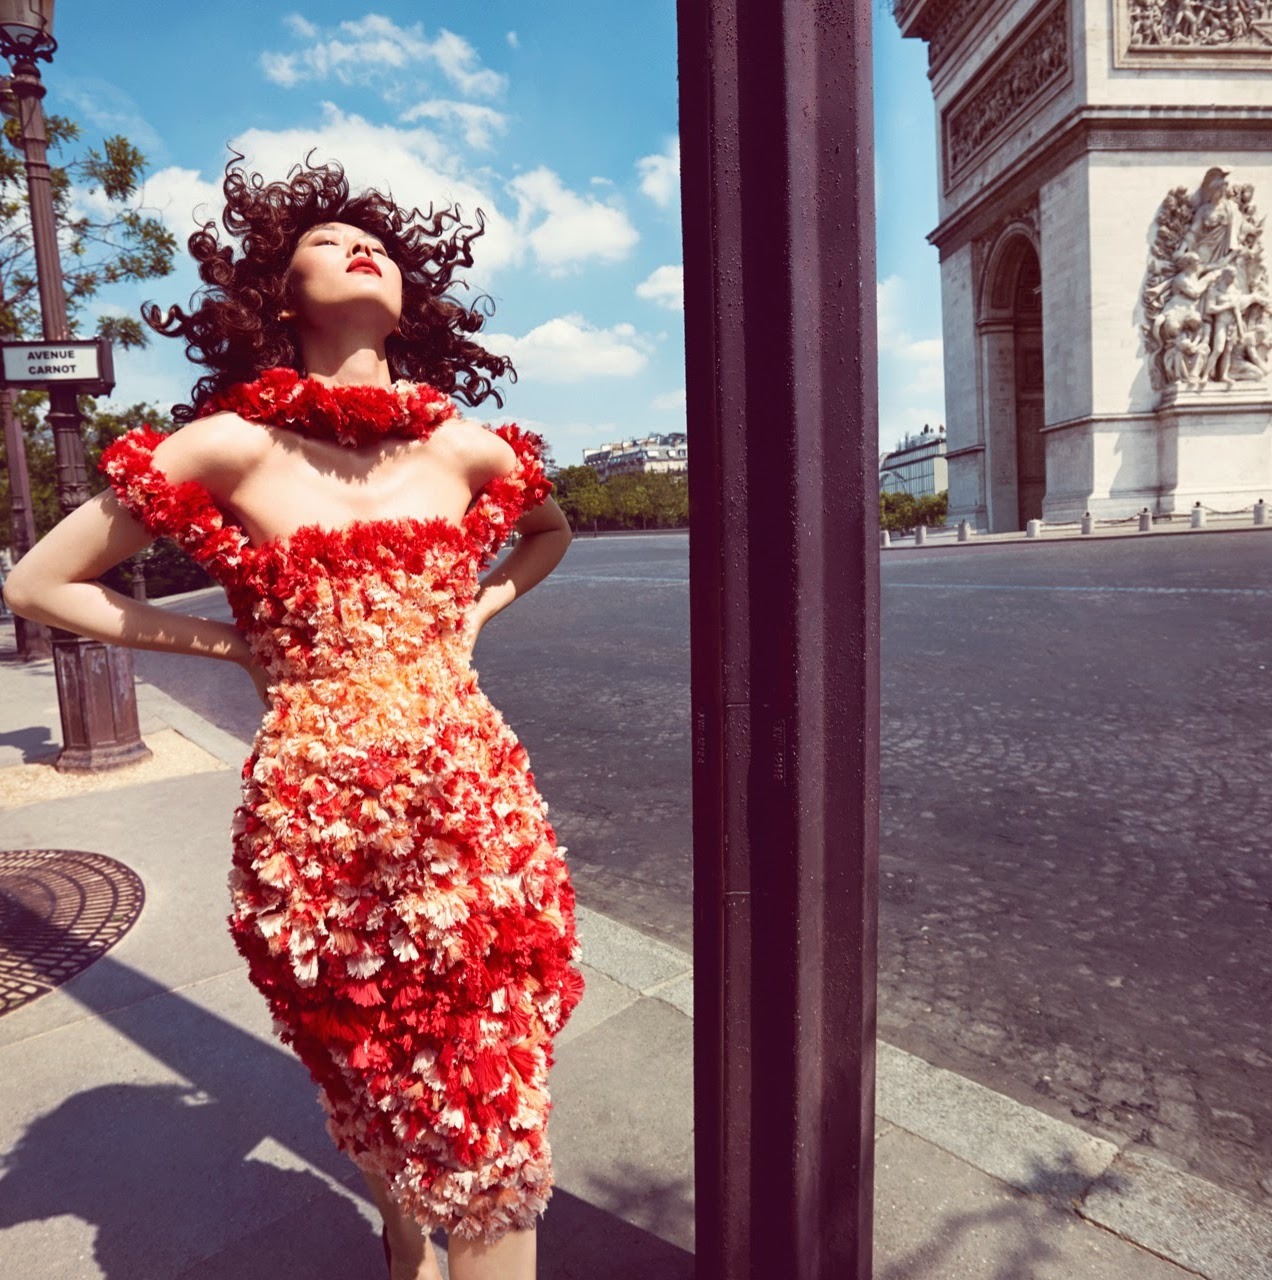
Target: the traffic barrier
pixel 920 536
pixel 1197 517
pixel 1033 529
pixel 885 538
pixel 1088 522
pixel 964 531
pixel 1145 521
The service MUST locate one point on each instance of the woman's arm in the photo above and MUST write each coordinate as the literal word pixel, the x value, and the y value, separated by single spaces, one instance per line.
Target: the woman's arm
pixel 545 537
pixel 53 583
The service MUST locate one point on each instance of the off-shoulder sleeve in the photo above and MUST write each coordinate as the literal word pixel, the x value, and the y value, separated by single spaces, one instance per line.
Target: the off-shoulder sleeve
pixel 505 499
pixel 184 512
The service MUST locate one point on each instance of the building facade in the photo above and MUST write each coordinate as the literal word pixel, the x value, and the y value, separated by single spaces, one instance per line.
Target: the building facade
pixel 666 453
pixel 916 466
pixel 1107 315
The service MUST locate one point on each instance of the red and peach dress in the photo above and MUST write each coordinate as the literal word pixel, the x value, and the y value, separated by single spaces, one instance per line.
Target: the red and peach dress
pixel 397 889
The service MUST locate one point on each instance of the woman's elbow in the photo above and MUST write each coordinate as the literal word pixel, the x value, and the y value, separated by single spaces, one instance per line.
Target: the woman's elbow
pixel 17 592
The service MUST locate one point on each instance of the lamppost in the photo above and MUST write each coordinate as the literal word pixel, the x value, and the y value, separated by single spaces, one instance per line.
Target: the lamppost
pixel 95 685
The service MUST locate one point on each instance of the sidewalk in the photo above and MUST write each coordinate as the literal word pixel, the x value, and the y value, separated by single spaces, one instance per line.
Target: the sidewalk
pixel 155 1129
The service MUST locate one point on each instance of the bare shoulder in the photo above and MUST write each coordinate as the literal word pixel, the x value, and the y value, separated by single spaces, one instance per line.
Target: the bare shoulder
pixel 477 450
pixel 218 449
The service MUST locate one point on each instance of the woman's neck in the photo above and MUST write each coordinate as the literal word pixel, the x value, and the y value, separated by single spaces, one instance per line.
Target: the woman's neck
pixel 335 364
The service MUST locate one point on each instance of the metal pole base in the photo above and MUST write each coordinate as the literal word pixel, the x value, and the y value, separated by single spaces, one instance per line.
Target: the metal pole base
pixel 98 704
pixel 32 640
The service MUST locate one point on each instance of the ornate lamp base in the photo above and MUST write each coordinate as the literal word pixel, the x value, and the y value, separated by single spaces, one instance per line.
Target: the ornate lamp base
pixel 98 705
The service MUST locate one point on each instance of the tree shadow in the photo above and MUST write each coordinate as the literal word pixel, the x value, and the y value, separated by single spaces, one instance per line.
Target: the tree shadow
pixel 1009 1242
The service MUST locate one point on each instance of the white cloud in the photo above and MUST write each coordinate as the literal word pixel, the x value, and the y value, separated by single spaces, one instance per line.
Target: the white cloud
pixel 670 400
pixel 513 41
pixel 369 49
pixel 660 175
pixel 569 349
pixel 479 123
pixel 411 164
pixel 911 369
pixel 299 26
pixel 564 228
pixel 182 199
pixel 664 286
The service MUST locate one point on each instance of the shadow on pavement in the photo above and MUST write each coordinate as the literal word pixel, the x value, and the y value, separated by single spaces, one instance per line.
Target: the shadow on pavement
pixel 201 1179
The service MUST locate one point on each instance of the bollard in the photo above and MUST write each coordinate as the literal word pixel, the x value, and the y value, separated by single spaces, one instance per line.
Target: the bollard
pixel 964 531
pixel 1198 516
pixel 920 536
pixel 1088 524
pixel 1260 512
pixel 1033 529
pixel 1146 521
pixel 885 538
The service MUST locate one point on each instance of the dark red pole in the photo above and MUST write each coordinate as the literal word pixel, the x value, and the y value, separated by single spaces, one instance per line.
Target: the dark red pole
pixel 95 682
pixel 777 186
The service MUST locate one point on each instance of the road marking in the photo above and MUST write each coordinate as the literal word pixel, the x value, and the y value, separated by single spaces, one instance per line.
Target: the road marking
pixel 561 579
pixel 1149 591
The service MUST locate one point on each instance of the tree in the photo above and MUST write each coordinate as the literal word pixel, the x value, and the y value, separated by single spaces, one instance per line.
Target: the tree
pixel 106 236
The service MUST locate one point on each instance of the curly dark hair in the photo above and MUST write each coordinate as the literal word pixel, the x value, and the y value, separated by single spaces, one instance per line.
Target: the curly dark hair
pixel 234 327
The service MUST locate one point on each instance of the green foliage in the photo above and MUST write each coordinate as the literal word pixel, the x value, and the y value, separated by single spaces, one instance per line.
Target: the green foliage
pixel 901 512
pixel 654 500
pixel 106 237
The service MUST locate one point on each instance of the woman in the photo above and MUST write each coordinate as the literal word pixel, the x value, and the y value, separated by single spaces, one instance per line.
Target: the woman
pixel 397 890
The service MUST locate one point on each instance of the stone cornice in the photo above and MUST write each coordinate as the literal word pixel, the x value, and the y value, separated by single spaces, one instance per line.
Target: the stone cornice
pixel 1105 128
pixel 941 23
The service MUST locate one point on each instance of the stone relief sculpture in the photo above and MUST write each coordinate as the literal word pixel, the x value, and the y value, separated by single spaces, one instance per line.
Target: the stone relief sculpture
pixel 1200 24
pixel 1207 299
pixel 1007 88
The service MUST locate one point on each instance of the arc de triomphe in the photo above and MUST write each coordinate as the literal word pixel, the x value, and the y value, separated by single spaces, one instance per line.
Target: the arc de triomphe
pixel 1105 166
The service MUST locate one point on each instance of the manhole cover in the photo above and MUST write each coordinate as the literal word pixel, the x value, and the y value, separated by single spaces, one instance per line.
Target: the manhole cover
pixel 59 911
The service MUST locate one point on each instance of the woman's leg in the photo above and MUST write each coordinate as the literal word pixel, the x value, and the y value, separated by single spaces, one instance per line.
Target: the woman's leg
pixel 413 1256
pixel 511 1257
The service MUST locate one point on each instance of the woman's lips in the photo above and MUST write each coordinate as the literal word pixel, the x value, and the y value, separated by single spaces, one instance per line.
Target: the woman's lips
pixel 362 264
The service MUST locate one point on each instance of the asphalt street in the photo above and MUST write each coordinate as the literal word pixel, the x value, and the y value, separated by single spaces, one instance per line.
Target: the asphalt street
pixel 1076 887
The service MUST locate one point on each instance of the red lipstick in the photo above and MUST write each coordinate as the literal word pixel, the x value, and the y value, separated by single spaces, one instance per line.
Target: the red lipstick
pixel 363 264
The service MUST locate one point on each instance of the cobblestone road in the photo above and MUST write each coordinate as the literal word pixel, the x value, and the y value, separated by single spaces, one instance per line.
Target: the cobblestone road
pixel 1076 879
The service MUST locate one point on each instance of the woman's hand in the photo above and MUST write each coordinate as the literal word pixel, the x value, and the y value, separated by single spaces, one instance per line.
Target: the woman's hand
pixel 260 678
pixel 471 629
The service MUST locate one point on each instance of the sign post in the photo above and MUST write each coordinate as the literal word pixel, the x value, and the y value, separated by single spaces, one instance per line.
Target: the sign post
pixel 95 682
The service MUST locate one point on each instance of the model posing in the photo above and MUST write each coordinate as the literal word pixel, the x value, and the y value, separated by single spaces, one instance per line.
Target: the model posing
pixel 397 889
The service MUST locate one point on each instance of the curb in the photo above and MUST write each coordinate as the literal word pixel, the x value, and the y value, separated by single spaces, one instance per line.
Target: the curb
pixel 1056 538
pixel 1213 1232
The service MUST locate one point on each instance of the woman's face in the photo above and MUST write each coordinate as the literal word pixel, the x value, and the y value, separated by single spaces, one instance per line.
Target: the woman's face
pixel 341 275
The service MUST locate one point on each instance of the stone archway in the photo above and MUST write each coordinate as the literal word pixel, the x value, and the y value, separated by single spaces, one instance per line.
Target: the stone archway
pixel 1012 400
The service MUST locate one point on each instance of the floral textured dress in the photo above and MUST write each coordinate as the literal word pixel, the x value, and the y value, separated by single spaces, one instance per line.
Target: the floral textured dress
pixel 397 889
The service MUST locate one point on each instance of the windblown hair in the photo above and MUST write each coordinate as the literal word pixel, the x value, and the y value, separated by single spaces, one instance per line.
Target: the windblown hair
pixel 236 331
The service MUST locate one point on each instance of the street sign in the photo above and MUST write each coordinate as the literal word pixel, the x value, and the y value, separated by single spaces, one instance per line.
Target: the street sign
pixel 78 365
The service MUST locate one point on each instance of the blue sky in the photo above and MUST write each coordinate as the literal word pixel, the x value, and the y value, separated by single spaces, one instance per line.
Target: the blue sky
pixel 558 119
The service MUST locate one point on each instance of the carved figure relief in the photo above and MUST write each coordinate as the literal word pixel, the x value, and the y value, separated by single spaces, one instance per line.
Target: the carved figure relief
pixel 1200 24
pixel 1207 298
pixel 1007 88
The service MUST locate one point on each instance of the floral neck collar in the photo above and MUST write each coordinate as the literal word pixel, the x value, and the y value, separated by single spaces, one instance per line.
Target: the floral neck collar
pixel 350 416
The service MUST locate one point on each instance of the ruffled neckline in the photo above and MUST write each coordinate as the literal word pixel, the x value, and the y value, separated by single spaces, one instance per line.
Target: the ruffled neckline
pixel 347 415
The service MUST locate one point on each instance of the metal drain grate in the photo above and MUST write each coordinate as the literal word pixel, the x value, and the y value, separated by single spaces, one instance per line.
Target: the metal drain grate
pixel 59 911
